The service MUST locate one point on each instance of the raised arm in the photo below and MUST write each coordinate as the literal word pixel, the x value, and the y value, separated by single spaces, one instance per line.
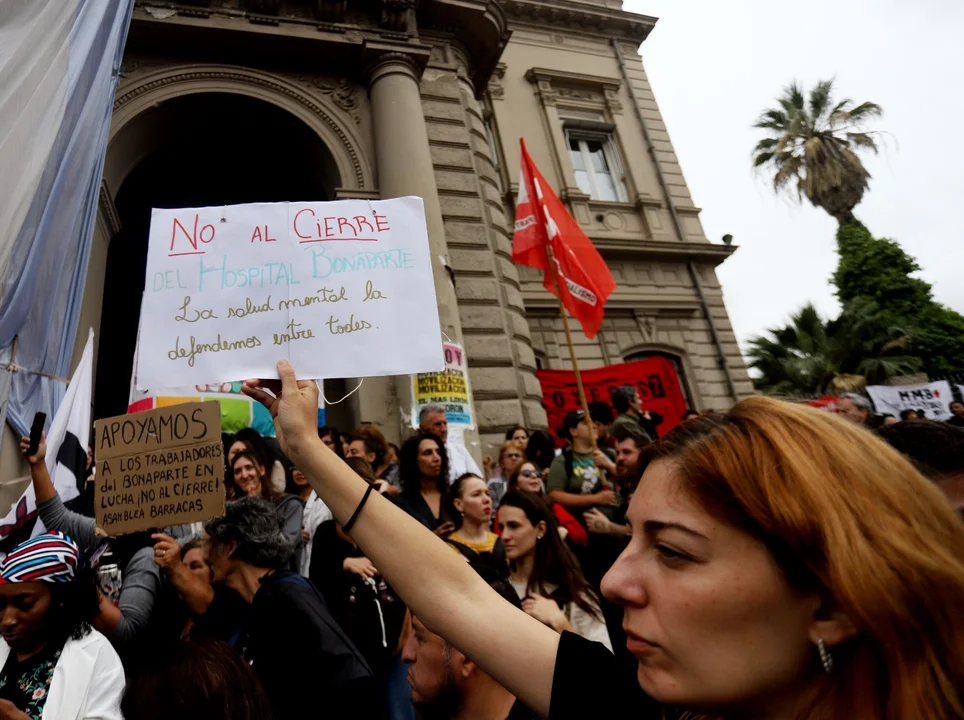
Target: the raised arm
pixel 445 593
pixel 53 513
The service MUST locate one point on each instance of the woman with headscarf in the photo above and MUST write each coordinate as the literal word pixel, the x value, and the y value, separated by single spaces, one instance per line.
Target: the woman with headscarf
pixel 55 665
pixel 148 611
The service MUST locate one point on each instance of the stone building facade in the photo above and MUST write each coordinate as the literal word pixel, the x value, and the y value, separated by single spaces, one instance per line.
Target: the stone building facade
pixel 224 101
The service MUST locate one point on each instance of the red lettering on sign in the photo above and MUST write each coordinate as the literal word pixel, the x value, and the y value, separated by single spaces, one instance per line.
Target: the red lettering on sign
pixel 192 237
pixel 295 222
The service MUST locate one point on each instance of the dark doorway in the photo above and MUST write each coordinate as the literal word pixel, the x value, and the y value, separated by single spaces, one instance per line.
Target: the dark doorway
pixel 208 149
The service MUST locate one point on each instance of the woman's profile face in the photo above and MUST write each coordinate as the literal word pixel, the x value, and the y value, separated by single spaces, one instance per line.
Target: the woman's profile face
pixel 518 534
pixel 709 614
pixel 23 615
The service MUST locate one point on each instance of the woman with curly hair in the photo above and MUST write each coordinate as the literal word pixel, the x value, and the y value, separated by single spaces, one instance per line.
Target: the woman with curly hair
pixel 424 472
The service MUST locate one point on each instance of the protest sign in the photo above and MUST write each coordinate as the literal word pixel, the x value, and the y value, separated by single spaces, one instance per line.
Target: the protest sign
pixel 934 399
pixel 159 468
pixel 655 378
pixel 342 289
pixel 448 388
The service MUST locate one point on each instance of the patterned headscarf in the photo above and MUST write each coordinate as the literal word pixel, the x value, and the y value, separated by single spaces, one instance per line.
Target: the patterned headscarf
pixel 52 557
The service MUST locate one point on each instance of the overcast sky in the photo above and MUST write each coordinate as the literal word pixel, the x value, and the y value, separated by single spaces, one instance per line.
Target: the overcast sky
pixel 714 65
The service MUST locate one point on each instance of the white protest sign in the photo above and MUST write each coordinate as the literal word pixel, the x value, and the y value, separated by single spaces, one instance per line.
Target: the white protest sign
pixel 342 289
pixel 934 399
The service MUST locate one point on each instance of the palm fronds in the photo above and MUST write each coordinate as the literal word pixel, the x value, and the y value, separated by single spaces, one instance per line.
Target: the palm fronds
pixel 811 147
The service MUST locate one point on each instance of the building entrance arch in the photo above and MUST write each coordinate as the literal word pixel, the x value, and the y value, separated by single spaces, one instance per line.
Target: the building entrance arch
pixel 190 150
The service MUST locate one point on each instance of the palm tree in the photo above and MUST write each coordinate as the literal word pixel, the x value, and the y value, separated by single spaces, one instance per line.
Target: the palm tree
pixel 811 356
pixel 815 142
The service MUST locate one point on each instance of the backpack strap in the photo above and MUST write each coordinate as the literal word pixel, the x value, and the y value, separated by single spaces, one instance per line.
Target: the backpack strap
pixel 464 549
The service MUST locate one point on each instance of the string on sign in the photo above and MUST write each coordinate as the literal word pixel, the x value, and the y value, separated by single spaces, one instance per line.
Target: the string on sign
pixel 350 393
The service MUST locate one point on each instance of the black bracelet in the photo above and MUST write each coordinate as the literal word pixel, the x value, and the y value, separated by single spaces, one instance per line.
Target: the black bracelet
pixel 354 516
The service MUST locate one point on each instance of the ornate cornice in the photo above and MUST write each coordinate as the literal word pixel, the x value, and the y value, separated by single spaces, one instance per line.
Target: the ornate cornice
pixel 398 15
pixel 550 85
pixel 581 18
pixel 480 26
pixel 496 91
pixel 700 252
pixel 571 79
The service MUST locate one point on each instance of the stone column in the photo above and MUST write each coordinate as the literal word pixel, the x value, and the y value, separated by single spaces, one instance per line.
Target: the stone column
pixel 405 167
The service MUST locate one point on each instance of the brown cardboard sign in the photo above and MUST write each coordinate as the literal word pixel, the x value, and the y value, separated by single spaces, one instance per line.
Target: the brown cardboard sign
pixel 159 468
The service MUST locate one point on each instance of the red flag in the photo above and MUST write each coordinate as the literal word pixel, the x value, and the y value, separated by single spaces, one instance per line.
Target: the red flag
pixel 542 220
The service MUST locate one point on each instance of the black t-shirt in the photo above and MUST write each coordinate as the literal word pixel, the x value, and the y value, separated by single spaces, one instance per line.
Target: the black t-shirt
pixel 308 666
pixel 587 682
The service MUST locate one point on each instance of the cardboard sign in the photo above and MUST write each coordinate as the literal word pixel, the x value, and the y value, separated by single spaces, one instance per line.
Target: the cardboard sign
pixel 934 399
pixel 342 289
pixel 159 468
pixel 449 388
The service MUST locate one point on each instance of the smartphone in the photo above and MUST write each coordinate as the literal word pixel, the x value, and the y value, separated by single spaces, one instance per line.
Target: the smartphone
pixel 36 430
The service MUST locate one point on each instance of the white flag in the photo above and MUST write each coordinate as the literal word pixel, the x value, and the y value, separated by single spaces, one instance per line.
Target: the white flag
pixel 67 441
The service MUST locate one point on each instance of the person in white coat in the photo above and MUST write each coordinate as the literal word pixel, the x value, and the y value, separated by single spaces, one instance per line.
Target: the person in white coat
pixel 55 666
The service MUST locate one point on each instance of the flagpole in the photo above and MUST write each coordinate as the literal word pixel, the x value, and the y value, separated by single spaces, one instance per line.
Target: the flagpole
pixel 572 350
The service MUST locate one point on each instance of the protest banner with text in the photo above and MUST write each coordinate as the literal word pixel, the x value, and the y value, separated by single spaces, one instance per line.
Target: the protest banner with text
pixel 933 399
pixel 449 388
pixel 342 289
pixel 654 378
pixel 159 468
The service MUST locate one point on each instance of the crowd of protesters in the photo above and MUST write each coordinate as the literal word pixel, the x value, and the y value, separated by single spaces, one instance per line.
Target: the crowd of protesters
pixel 773 561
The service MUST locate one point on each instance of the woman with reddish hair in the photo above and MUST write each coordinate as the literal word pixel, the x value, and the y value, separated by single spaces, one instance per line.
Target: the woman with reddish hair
pixel 783 564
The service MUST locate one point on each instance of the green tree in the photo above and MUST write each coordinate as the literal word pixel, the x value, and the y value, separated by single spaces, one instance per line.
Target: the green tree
pixel 811 149
pixel 811 356
pixel 878 269
pixel 813 146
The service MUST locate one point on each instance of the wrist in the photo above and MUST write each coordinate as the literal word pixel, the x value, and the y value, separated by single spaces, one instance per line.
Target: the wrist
pixel 300 444
pixel 560 624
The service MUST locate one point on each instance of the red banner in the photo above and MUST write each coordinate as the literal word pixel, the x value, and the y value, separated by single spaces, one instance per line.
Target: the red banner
pixel 655 378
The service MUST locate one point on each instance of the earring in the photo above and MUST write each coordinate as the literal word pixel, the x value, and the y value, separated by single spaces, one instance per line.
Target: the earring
pixel 825 657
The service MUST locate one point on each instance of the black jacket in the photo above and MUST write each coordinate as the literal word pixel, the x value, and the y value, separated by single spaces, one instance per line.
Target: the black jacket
pixel 372 617
pixel 308 666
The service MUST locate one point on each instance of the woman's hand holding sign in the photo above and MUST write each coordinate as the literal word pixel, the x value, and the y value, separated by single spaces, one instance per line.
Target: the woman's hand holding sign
pixel 293 405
